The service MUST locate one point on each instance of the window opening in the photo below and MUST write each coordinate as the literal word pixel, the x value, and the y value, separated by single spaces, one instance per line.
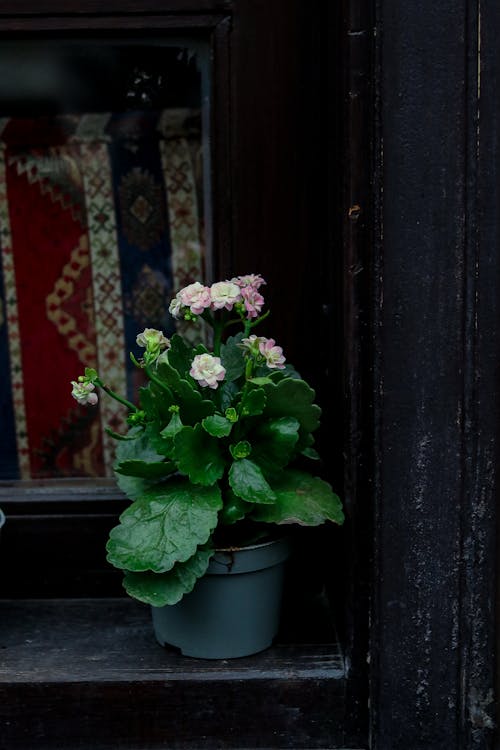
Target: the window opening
pixel 103 217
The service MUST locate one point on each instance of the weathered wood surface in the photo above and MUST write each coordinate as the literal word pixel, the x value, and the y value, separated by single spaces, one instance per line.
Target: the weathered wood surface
pixel 88 673
pixel 103 639
pixel 437 352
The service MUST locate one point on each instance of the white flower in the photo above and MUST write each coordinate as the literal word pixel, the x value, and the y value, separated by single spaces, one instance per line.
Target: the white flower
pixel 224 294
pixel 175 307
pixel 207 370
pixel 83 393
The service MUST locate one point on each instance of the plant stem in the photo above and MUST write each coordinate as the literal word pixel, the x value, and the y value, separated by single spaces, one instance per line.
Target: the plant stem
pixel 114 395
pixel 218 327
pixel 259 320
pixel 156 380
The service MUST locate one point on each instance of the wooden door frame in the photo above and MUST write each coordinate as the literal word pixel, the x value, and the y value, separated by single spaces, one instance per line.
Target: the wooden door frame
pixel 435 311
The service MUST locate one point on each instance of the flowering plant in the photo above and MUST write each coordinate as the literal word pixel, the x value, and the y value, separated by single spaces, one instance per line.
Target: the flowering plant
pixel 213 444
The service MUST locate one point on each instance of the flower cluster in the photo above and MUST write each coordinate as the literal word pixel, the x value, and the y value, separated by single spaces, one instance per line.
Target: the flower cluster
pixel 240 293
pixel 264 351
pixel 83 391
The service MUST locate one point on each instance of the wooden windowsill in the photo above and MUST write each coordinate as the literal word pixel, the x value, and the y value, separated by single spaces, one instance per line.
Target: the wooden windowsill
pixel 81 673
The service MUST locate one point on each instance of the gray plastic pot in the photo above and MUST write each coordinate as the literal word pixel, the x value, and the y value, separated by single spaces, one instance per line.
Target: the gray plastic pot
pixel 233 610
pixel 2 520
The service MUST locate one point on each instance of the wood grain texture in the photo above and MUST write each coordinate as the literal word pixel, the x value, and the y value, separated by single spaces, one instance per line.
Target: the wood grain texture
pixel 76 673
pixel 437 438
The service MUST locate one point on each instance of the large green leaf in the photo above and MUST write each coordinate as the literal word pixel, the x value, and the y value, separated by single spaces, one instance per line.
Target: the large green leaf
pixel 144 469
pixel 247 481
pixel 232 358
pixel 164 526
pixel 159 589
pixel 302 499
pixel 139 449
pixel 293 398
pixel 274 443
pixel 198 455
pixel 134 487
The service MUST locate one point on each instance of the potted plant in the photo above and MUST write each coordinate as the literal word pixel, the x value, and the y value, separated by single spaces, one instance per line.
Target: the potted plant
pixel 214 466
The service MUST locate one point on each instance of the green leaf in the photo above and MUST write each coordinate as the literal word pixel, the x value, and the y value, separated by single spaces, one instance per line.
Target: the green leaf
pixel 302 499
pixel 235 509
pixel 193 407
pixel 159 589
pixel 227 393
pixel 247 481
pixel 173 427
pixel 311 453
pixel 91 374
pixel 241 449
pixel 139 448
pixel 274 443
pixel 288 371
pixel 198 455
pixel 293 398
pixel 161 444
pixel 144 469
pixel 156 402
pixel 217 426
pixel 253 402
pixel 134 487
pixel 164 526
pixel 179 356
pixel 263 380
pixel 232 357
pixel 275 375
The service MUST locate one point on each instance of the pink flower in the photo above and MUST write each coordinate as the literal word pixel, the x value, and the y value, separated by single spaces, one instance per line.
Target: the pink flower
pixel 254 280
pixel 196 297
pixel 207 370
pixel 224 294
pixel 252 301
pixel 83 393
pixel 272 354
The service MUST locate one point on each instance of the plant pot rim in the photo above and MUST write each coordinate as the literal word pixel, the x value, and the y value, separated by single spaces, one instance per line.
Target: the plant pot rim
pixel 2 518
pixel 235 560
pixel 245 547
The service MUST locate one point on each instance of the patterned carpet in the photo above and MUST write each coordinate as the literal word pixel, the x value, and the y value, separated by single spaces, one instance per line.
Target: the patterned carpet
pixel 100 224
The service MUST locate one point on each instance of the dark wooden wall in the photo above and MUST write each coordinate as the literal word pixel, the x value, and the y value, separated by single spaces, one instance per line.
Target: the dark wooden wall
pixel 436 378
pixel 414 233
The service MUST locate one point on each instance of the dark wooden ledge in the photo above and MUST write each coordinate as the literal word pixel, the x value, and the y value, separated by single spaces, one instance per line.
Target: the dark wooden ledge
pixel 87 673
